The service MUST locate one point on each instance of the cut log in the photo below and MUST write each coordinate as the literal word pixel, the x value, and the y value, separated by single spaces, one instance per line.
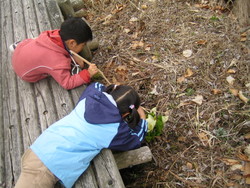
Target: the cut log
pixel 107 173
pixel 133 157
pixel 66 8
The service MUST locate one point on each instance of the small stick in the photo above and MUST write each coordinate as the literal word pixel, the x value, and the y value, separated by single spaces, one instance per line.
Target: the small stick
pixel 86 61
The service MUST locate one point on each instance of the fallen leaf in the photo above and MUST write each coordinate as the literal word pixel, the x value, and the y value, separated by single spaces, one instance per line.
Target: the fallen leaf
pixel 188 73
pixel 248 180
pixel 181 79
pixel 247 136
pixel 216 91
pixel 246 172
pixel 187 53
pixel 231 71
pixel 144 7
pixel 230 162
pixel 137 44
pixel 234 91
pixel 198 99
pixel 127 30
pixel 236 177
pixel 203 138
pixel 181 139
pixel 236 167
pixel 189 166
pixel 243 39
pixel 247 150
pixel 230 80
pixel 243 157
pixel 133 19
pixel 243 34
pixel 242 97
pixel 201 42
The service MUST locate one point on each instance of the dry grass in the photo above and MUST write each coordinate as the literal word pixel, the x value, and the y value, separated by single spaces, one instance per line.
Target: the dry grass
pixel 196 137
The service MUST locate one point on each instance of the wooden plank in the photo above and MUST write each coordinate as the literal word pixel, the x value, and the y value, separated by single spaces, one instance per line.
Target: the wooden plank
pixel 107 173
pixel 2 166
pixel 13 144
pixel 44 99
pixel 29 113
pixel 87 179
pixel 133 157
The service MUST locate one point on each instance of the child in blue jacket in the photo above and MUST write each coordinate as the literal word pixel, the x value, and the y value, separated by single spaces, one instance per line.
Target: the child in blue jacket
pixel 103 118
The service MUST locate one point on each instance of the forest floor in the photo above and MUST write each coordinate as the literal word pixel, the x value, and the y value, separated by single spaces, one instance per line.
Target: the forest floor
pixel 191 61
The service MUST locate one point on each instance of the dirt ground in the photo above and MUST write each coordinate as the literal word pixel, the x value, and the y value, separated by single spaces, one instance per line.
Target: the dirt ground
pixel 191 61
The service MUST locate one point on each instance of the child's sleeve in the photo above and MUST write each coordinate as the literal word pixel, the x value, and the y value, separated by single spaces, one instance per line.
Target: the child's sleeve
pixel 68 81
pixel 127 138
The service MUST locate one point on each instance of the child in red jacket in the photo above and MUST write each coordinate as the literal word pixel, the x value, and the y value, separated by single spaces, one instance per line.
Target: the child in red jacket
pixel 49 54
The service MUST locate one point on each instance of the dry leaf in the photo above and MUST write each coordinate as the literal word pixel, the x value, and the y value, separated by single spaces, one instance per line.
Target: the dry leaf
pixel 248 180
pixel 127 30
pixel 243 34
pixel 133 19
pixel 144 7
pixel 181 139
pixel 231 71
pixel 243 39
pixel 187 53
pixel 242 97
pixel 230 80
pixel 247 150
pixel 246 172
pixel 188 73
pixel 236 167
pixel 201 42
pixel 236 177
pixel 230 162
pixel 234 91
pixel 189 166
pixel 216 91
pixel 198 99
pixel 137 44
pixel 181 79
pixel 203 138
pixel 247 136
pixel 243 157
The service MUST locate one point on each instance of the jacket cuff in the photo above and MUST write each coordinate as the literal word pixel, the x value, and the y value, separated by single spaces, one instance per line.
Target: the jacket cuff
pixel 84 74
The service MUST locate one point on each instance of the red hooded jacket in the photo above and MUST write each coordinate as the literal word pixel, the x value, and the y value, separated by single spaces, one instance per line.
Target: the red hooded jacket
pixel 35 59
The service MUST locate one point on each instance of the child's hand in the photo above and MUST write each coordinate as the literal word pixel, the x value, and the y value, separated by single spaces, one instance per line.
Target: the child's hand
pixel 141 112
pixel 92 69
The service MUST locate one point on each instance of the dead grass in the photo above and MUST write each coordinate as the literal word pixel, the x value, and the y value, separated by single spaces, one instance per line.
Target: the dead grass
pixel 142 44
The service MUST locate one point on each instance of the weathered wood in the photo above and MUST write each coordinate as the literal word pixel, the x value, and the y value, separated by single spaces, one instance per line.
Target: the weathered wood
pixel 66 8
pixel 133 157
pixel 107 173
pixel 77 4
pixel 13 146
pixel 29 116
pixel 87 179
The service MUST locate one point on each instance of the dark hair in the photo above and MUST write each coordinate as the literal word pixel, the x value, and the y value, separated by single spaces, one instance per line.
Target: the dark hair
pixel 128 101
pixel 77 29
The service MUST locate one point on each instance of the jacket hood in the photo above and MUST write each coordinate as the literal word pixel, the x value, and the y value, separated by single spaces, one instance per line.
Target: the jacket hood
pixel 100 108
pixel 45 40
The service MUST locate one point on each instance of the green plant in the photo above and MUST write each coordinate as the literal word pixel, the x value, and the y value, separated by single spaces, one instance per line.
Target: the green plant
pixel 155 124
pixel 190 91
pixel 214 18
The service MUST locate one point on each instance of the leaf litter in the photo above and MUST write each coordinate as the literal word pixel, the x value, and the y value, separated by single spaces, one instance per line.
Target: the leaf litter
pixel 191 60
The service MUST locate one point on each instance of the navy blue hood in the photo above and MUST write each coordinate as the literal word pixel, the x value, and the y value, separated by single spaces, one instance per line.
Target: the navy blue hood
pixel 98 107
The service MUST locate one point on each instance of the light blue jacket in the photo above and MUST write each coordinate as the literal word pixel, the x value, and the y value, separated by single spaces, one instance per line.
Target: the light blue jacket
pixel 67 147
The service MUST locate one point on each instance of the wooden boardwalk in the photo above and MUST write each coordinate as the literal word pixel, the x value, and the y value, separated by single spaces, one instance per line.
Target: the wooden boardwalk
pixel 28 109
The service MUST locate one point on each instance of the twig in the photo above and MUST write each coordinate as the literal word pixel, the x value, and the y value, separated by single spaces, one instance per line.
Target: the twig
pixel 86 61
pixel 187 182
